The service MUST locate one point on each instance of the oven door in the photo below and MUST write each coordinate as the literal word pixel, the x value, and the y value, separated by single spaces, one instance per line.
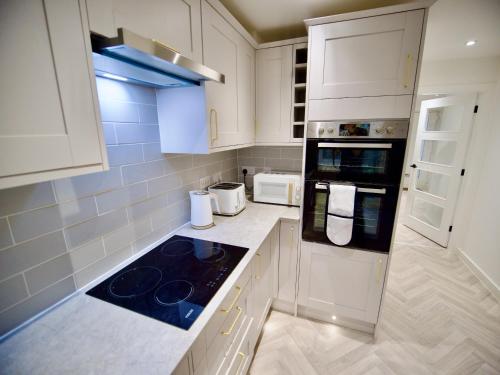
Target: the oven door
pixel 374 211
pixel 363 160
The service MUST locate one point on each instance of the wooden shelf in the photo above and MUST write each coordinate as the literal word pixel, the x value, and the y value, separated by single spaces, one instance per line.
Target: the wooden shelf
pixel 295 123
pixel 299 104
pixel 298 85
pixel 301 66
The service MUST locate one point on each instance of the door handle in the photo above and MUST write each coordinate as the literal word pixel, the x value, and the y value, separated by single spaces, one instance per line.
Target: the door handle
pixel 413 165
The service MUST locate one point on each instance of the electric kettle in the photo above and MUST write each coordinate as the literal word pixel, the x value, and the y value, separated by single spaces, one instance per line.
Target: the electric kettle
pixel 201 208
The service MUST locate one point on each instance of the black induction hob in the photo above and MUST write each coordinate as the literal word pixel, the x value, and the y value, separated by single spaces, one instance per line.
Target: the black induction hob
pixel 174 281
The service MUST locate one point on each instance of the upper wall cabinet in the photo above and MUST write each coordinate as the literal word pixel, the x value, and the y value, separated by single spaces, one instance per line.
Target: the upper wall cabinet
pixel 49 122
pixel 176 23
pixel 374 56
pixel 274 94
pixel 231 106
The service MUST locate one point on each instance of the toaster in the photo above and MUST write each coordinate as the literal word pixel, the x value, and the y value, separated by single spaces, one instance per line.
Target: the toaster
pixel 229 199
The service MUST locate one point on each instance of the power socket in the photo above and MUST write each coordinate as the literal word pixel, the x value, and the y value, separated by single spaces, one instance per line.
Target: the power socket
pixel 250 170
pixel 205 182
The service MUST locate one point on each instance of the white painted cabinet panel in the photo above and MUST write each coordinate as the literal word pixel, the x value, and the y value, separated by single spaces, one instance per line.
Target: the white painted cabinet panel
pixel 49 126
pixel 371 56
pixel 288 253
pixel 176 23
pixel 220 52
pixel 246 91
pixel 341 281
pixel 274 94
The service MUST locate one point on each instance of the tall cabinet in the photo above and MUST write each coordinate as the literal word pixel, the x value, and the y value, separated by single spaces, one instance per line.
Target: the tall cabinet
pixel 364 67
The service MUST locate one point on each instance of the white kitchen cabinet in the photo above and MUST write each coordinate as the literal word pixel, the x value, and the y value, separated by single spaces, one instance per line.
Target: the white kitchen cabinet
pixel 176 23
pixel 274 94
pixel 343 282
pixel 373 56
pixel 288 255
pixel 227 52
pixel 262 283
pixel 49 122
pixel 246 91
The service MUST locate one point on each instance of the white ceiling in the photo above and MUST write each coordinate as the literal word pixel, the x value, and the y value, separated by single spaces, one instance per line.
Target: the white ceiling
pixel 270 20
pixel 452 22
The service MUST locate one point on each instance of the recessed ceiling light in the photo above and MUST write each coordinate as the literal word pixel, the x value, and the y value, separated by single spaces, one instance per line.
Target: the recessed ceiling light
pixel 470 43
pixel 334 317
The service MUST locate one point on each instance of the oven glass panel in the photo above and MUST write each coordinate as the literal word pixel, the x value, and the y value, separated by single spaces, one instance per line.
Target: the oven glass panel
pixel 373 218
pixel 353 160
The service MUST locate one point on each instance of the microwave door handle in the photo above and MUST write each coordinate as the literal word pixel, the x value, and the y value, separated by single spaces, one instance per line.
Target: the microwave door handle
pixel 354 145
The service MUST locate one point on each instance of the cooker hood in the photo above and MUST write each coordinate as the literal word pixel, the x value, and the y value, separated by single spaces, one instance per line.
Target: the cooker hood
pixel 131 57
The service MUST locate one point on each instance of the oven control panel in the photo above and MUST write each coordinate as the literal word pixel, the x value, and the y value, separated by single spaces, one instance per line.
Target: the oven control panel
pixel 397 129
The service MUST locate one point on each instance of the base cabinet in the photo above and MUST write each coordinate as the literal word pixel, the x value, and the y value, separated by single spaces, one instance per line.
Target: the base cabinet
pixel 342 282
pixel 288 255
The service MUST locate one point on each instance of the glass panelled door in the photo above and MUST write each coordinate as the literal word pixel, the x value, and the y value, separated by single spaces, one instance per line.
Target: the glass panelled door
pixel 441 142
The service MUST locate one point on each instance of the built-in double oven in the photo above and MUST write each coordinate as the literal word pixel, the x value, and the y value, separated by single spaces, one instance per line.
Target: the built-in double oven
pixel 366 154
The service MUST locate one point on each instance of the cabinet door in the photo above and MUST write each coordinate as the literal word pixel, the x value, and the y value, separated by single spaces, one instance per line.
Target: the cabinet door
pixel 274 94
pixel 48 117
pixel 220 51
pixel 365 57
pixel 262 285
pixel 341 281
pixel 176 23
pixel 288 251
pixel 246 91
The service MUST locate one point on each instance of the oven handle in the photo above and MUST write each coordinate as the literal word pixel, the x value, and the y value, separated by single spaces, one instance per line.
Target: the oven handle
pixel 353 145
pixel 320 186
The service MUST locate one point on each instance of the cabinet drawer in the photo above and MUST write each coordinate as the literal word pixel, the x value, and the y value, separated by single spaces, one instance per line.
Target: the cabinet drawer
pixel 227 305
pixel 227 332
pixel 242 356
pixel 241 336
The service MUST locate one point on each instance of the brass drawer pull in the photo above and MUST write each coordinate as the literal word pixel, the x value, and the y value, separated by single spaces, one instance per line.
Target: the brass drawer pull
pixel 230 330
pixel 234 300
pixel 242 355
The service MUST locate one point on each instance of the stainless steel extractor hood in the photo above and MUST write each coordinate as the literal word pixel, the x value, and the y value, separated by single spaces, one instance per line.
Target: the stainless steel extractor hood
pixel 131 57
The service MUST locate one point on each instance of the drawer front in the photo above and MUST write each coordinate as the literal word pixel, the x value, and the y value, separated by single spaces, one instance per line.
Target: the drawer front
pixel 227 306
pixel 227 332
pixel 242 358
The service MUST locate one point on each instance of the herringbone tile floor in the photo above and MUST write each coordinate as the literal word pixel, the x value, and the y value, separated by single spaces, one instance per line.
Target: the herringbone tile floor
pixel 437 319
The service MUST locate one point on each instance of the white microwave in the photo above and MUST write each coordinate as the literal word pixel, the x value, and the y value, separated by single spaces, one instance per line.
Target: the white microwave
pixel 278 188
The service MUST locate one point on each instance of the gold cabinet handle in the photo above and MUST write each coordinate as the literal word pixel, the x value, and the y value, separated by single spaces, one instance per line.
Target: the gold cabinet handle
pixel 242 360
pixel 290 191
pixel 234 300
pixel 379 270
pixel 230 330
pixel 214 135
pixel 409 60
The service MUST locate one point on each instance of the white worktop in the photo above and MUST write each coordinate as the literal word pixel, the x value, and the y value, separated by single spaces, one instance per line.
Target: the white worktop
pixel 85 335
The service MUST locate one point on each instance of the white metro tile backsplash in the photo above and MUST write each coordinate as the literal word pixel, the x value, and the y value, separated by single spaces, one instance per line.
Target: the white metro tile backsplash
pixel 57 236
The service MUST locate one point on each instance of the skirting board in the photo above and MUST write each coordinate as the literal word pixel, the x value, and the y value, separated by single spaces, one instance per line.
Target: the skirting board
pixel 479 273
pixel 307 312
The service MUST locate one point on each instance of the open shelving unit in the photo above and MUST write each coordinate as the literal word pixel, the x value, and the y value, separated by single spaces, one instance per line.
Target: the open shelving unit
pixel 299 81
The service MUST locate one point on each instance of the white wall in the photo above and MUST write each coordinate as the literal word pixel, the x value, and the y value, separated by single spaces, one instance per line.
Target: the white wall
pixel 477 218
